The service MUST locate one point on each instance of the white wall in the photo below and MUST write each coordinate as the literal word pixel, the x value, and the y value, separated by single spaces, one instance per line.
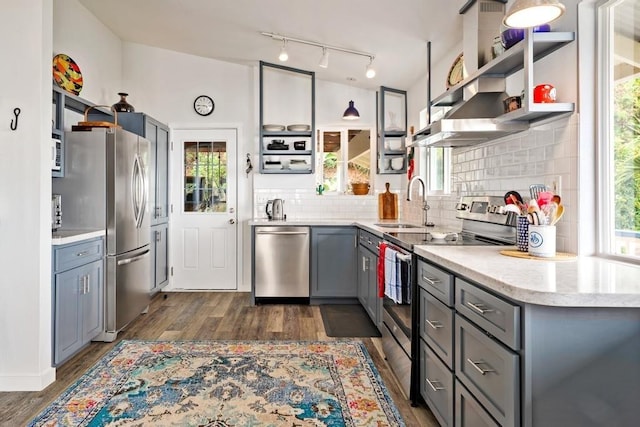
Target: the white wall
pixel 25 189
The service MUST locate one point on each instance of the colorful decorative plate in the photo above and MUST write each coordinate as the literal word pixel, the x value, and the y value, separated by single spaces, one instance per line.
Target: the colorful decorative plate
pixel 456 72
pixel 66 73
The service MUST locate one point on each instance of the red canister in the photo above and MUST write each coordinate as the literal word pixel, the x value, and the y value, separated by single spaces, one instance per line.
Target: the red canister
pixel 544 93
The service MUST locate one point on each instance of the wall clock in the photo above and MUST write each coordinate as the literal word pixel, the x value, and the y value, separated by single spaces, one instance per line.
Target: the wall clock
pixel 204 105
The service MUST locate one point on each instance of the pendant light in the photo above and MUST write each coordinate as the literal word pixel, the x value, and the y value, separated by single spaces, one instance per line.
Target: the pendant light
pixel 351 113
pixel 531 13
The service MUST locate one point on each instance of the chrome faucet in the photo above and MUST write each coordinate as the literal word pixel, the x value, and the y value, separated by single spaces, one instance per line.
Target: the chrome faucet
pixel 425 206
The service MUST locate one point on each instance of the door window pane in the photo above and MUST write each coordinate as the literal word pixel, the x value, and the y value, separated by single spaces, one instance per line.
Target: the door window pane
pixel 205 176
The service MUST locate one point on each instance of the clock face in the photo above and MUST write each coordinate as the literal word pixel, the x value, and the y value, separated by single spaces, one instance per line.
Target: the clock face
pixel 203 105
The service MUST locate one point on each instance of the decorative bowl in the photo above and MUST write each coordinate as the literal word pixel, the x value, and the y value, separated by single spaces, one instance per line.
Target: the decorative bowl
pixel 360 189
pixel 511 36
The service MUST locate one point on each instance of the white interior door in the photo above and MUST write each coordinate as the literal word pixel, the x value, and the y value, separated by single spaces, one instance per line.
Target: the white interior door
pixel 204 221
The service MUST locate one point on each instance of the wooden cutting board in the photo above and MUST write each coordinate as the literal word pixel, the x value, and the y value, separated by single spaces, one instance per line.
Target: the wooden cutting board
pixel 388 204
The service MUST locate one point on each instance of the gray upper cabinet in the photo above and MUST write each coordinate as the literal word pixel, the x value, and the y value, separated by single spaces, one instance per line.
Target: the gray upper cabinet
pixel 287 120
pixel 392 130
pixel 333 262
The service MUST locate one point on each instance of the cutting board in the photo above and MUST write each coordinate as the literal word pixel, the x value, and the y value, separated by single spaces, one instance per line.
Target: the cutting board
pixel 387 204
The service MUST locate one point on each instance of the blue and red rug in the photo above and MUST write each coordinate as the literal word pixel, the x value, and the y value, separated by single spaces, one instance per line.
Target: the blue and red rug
pixel 227 383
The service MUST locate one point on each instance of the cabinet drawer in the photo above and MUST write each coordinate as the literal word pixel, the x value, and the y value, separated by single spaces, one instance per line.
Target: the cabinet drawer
pixel 495 315
pixel 436 385
pixel 469 413
pixel 369 241
pixel 438 282
pixel 489 370
pixel 74 255
pixel 436 326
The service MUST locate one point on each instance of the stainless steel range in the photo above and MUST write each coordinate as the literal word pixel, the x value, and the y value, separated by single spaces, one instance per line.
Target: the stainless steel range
pixel 484 222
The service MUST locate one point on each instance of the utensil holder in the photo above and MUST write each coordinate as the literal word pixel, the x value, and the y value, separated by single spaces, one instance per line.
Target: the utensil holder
pixel 542 240
pixel 522 233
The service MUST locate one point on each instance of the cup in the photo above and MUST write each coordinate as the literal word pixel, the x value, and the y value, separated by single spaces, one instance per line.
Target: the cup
pixel 522 233
pixel 544 93
pixel 542 240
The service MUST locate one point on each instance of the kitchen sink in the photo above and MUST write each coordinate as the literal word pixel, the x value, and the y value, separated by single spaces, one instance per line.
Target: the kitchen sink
pixel 393 225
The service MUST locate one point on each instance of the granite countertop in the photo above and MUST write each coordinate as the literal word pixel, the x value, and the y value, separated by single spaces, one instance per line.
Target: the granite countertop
pixel 62 237
pixel 372 225
pixel 581 282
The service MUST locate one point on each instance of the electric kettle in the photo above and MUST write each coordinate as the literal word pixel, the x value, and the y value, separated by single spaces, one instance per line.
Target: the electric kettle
pixel 275 210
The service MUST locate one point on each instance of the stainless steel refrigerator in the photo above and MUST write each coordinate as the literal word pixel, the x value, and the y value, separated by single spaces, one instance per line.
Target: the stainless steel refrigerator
pixel 106 186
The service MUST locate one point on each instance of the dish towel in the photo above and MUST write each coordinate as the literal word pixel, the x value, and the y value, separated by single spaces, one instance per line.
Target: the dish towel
pixel 381 251
pixel 390 273
pixel 404 279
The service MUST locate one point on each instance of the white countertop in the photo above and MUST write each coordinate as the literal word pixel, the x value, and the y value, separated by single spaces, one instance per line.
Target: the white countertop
pixel 371 225
pixel 62 237
pixel 581 282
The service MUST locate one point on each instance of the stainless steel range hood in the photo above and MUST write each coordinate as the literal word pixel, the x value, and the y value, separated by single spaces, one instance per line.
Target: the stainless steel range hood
pixel 471 120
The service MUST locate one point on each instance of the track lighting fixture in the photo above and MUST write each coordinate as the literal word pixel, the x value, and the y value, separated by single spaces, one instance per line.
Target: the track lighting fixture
pixel 324 61
pixel 351 113
pixel 283 52
pixel 370 72
pixel 531 13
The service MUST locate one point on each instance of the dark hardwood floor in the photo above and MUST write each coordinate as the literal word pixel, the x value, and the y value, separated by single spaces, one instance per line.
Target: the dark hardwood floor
pixel 205 316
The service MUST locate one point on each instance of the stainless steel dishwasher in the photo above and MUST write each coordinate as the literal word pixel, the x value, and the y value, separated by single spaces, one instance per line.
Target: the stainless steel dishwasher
pixel 281 262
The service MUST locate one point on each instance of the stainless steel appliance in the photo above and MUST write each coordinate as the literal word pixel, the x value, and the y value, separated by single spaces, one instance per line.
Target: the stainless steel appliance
pixel 106 187
pixel 281 258
pixel 483 223
pixel 56 211
pixel 275 210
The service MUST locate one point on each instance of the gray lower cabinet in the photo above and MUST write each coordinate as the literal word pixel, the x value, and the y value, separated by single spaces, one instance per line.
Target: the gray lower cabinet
pixel 368 249
pixel 333 262
pixel 78 296
pixel 159 256
pixel 436 385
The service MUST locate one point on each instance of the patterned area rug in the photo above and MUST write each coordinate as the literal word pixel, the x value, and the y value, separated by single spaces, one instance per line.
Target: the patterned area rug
pixel 227 383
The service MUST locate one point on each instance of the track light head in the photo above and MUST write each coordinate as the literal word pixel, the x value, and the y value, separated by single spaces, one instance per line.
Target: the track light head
pixel 370 73
pixel 324 61
pixel 283 52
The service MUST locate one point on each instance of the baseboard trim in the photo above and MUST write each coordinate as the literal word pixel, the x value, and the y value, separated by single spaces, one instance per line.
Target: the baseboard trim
pixel 28 382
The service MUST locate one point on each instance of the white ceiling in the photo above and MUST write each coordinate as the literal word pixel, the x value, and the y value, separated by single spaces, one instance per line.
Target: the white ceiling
pixel 395 32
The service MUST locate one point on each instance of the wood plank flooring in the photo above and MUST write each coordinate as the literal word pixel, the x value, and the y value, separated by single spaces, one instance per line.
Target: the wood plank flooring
pixel 205 316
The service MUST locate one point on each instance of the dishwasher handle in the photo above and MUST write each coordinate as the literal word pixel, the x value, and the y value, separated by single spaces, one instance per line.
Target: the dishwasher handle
pixel 282 232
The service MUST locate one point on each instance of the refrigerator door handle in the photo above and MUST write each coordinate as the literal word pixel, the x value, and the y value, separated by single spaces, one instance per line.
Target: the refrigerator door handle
pixel 133 259
pixel 139 191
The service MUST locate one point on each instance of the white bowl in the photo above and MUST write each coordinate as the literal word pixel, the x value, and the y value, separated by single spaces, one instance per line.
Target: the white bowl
pixel 395 144
pixel 397 163
pixel 437 235
pixel 273 128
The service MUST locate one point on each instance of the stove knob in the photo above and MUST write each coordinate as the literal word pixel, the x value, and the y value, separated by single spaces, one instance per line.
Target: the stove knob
pixel 461 207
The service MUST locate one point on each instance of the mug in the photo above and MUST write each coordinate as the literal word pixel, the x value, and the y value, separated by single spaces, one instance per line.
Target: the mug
pixel 544 94
pixel 542 240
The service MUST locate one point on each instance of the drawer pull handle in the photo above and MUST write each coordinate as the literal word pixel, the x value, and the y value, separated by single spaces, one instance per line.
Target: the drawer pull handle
pixel 434 387
pixel 480 308
pixel 430 281
pixel 83 253
pixel 478 368
pixel 435 324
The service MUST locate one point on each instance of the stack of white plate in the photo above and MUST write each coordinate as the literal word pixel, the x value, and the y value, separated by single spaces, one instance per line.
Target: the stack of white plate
pixel 299 128
pixel 273 128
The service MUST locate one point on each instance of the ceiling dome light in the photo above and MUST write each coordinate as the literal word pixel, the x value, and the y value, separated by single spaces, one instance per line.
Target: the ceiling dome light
pixel 351 113
pixel 324 61
pixel 531 13
pixel 370 73
pixel 283 52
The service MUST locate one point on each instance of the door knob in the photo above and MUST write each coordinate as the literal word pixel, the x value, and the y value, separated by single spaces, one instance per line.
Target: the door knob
pixel 232 221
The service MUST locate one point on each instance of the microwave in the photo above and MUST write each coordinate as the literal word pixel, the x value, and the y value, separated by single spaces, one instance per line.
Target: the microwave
pixel 56 154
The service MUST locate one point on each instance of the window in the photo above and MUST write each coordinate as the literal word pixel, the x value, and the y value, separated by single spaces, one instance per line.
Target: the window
pixel 438 170
pixel 205 176
pixel 345 158
pixel 619 133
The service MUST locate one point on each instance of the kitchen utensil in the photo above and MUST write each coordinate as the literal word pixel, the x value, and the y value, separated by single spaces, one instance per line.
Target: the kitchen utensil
pixel 298 128
pixel 536 189
pixel 522 233
pixel 360 188
pixel 275 210
pixel 299 145
pixel 544 94
pixel 273 128
pixel 512 103
pixel 511 36
pixel 558 214
pixel 387 204
pixel 508 200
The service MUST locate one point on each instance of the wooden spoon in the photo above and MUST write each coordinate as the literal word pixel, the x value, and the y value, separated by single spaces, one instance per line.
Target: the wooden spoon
pixel 558 214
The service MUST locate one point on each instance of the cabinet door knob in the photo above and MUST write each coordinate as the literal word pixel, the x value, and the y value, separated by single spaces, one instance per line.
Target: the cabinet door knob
pixel 232 221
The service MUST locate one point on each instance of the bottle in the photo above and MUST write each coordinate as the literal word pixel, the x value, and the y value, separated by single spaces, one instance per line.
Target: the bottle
pixel 123 106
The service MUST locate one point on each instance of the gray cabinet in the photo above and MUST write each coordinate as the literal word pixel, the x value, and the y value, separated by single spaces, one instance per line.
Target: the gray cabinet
pixel 368 249
pixel 159 256
pixel 78 292
pixel 333 262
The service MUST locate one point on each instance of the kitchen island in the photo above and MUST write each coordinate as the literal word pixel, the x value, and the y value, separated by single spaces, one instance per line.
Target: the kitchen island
pixel 534 342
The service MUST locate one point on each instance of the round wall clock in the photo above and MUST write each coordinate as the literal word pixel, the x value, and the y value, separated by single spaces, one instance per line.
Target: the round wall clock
pixel 204 105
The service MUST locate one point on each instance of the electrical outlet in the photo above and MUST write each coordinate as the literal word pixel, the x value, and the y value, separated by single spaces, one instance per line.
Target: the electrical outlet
pixel 556 184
